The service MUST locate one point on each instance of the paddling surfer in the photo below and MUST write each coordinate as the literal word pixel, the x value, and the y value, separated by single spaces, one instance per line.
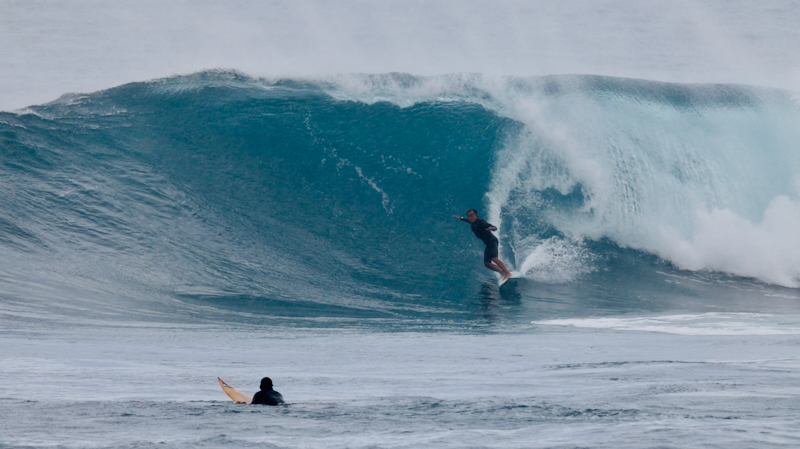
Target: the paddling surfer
pixel 483 230
pixel 267 396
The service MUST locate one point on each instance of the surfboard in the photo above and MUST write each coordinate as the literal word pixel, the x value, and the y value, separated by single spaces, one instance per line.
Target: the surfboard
pixel 507 283
pixel 233 393
pixel 510 281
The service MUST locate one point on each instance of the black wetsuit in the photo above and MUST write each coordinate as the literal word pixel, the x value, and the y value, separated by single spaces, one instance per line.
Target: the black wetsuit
pixel 479 228
pixel 267 397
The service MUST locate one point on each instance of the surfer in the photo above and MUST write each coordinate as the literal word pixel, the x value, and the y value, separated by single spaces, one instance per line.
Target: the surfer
pixel 267 396
pixel 483 230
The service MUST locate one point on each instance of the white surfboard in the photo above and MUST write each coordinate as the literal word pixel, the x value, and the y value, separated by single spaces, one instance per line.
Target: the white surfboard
pixel 514 275
pixel 233 393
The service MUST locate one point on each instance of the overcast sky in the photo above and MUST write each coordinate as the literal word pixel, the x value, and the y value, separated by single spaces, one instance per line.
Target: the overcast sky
pixel 48 48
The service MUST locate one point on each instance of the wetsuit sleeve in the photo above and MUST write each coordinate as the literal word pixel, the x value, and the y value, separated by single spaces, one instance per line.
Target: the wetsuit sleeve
pixel 464 219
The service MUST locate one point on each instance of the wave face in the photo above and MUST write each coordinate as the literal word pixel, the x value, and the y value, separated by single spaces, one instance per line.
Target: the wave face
pixel 332 198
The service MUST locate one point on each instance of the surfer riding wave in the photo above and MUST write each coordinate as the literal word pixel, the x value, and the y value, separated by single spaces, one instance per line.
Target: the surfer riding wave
pixel 483 230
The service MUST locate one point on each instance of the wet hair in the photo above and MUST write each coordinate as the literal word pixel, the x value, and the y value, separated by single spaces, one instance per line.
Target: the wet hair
pixel 266 383
pixel 473 210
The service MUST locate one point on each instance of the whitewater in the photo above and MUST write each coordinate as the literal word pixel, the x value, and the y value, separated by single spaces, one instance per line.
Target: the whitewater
pixel 159 230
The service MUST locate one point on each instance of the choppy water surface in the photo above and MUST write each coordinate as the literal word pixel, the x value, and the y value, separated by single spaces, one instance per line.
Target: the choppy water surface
pixel 543 386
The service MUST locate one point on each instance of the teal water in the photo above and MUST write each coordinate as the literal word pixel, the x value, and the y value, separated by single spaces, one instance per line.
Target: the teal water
pixel 156 235
pixel 299 200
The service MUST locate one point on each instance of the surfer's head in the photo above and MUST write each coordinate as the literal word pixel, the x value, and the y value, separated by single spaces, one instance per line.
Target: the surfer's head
pixel 472 215
pixel 266 383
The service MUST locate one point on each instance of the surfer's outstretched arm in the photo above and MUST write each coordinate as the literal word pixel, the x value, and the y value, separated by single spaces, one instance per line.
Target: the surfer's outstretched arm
pixel 460 218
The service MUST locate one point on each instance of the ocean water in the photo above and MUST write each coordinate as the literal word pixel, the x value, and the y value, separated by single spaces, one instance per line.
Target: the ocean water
pixel 170 230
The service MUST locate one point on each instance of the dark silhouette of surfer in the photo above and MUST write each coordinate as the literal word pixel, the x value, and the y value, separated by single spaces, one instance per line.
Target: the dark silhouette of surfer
pixel 267 396
pixel 483 230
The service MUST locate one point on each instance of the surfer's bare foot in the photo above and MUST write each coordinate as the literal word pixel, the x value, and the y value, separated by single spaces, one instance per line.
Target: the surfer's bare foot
pixel 506 275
